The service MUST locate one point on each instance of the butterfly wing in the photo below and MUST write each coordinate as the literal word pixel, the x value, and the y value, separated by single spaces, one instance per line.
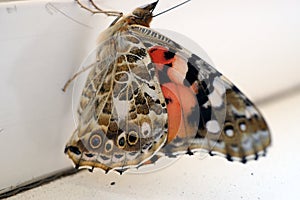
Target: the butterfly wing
pixel 122 111
pixel 211 115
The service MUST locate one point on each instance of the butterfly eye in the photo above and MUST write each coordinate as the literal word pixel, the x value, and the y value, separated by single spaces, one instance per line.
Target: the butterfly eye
pixel 229 130
pixel 132 138
pixel 136 16
pixel 95 141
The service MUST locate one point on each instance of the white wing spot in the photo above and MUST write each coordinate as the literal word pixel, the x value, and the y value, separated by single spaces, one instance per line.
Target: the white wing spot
pixel 243 127
pixel 213 126
pixel 229 132
pixel 219 86
pixel 216 97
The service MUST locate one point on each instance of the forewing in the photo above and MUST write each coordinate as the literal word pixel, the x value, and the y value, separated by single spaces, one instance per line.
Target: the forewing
pixel 228 123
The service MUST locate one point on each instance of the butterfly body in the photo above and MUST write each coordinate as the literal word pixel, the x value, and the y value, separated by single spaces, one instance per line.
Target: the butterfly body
pixel 147 97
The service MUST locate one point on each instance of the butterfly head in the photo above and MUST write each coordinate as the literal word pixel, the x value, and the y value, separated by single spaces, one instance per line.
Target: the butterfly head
pixel 142 15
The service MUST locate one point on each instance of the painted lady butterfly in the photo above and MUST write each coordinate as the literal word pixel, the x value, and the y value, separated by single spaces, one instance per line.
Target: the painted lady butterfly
pixel 147 97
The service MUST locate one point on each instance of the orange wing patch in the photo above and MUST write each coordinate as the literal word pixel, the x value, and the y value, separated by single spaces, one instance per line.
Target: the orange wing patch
pixel 180 98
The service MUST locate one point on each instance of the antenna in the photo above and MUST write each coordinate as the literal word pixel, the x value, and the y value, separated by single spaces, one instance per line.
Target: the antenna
pixel 172 8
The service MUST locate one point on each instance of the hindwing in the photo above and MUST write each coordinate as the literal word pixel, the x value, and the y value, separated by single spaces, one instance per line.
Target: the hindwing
pixel 122 112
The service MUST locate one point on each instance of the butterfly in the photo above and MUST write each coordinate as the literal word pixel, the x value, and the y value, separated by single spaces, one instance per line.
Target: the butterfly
pixel 147 97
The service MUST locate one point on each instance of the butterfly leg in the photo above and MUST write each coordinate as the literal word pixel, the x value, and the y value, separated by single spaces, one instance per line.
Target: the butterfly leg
pixel 76 75
pixel 99 10
pixel 109 13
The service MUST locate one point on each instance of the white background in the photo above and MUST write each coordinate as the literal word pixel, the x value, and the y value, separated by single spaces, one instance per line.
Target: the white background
pixel 254 43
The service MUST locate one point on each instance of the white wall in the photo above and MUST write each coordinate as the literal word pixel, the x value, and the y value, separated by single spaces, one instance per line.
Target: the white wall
pixel 254 43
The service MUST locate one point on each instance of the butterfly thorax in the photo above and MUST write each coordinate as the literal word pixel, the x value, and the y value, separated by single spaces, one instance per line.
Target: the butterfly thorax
pixel 140 16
